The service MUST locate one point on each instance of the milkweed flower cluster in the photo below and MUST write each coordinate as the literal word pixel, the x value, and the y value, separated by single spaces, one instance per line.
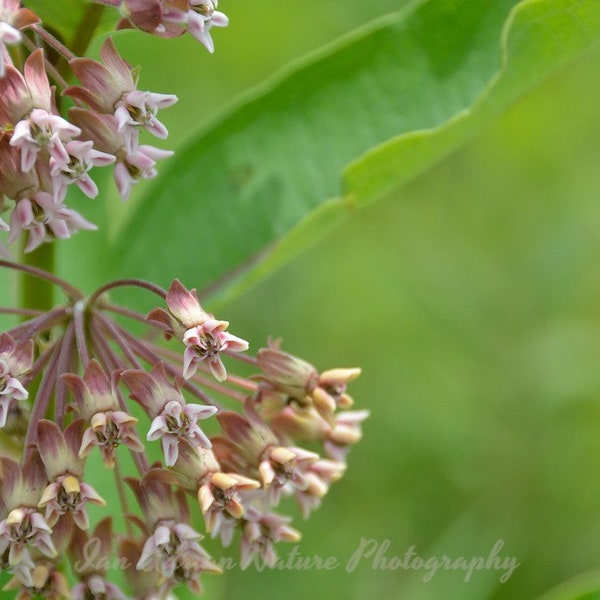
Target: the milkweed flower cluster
pixel 70 382
pixel 203 450
pixel 42 152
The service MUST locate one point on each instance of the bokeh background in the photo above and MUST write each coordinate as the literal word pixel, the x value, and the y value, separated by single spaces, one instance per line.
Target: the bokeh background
pixel 470 298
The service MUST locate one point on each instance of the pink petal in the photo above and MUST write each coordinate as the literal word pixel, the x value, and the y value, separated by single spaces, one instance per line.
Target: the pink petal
pixel 157 428
pixel 190 362
pixel 217 368
pixel 87 185
pixel 170 446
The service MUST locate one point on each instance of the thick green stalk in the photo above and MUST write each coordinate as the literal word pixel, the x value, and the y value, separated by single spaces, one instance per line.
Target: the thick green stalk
pixel 35 293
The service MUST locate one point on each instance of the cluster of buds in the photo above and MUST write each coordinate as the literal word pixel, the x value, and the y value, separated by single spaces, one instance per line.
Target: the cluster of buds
pixel 70 381
pixel 42 153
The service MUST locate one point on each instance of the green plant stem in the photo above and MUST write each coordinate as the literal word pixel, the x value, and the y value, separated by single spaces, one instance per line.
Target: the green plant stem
pixel 87 28
pixel 35 293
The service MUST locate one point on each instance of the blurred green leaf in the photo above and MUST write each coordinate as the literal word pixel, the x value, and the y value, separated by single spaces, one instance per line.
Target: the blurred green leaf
pixel 338 129
pixel 585 586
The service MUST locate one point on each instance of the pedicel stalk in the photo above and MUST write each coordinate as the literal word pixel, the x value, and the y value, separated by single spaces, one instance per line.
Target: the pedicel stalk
pixel 74 374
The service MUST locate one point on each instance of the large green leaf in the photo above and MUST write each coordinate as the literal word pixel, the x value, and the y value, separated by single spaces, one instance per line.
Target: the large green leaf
pixel 339 129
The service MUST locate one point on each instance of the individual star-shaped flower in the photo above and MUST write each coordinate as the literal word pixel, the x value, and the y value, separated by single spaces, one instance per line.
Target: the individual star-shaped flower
pixel 177 422
pixel 282 467
pixel 39 130
pixel 96 403
pixel 67 493
pixel 205 343
pixel 201 17
pixel 24 527
pixel 44 219
pixel 260 533
pixel 204 336
pixel 81 157
pixel 108 430
pixel 173 421
pixel 138 109
pixel 220 496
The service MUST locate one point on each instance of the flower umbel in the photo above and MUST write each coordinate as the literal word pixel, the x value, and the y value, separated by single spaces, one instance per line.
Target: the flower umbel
pixel 77 373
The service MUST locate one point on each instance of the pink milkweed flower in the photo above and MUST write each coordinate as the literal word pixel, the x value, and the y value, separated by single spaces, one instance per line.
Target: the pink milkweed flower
pixel 15 361
pixel 221 495
pixel 145 583
pixel 260 533
pixel 177 422
pixel 285 467
pixel 201 17
pixel 243 444
pixel 81 157
pixel 184 313
pixel 69 495
pixel 64 468
pixel 24 528
pixel 45 219
pixel 96 403
pixel 137 165
pixel 173 421
pixel 205 343
pixel 102 84
pixel 11 390
pixel 111 88
pixel 132 164
pixel 12 19
pixel 193 466
pixel 331 388
pixel 143 14
pixel 139 109
pixel 173 552
pixel 108 430
pixel 39 130
pixel 42 580
pixel 204 336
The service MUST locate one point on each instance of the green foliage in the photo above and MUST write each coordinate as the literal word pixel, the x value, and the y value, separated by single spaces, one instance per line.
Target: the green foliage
pixel 337 130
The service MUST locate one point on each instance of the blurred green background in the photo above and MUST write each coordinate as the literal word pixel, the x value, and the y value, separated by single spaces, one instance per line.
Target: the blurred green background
pixel 470 298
